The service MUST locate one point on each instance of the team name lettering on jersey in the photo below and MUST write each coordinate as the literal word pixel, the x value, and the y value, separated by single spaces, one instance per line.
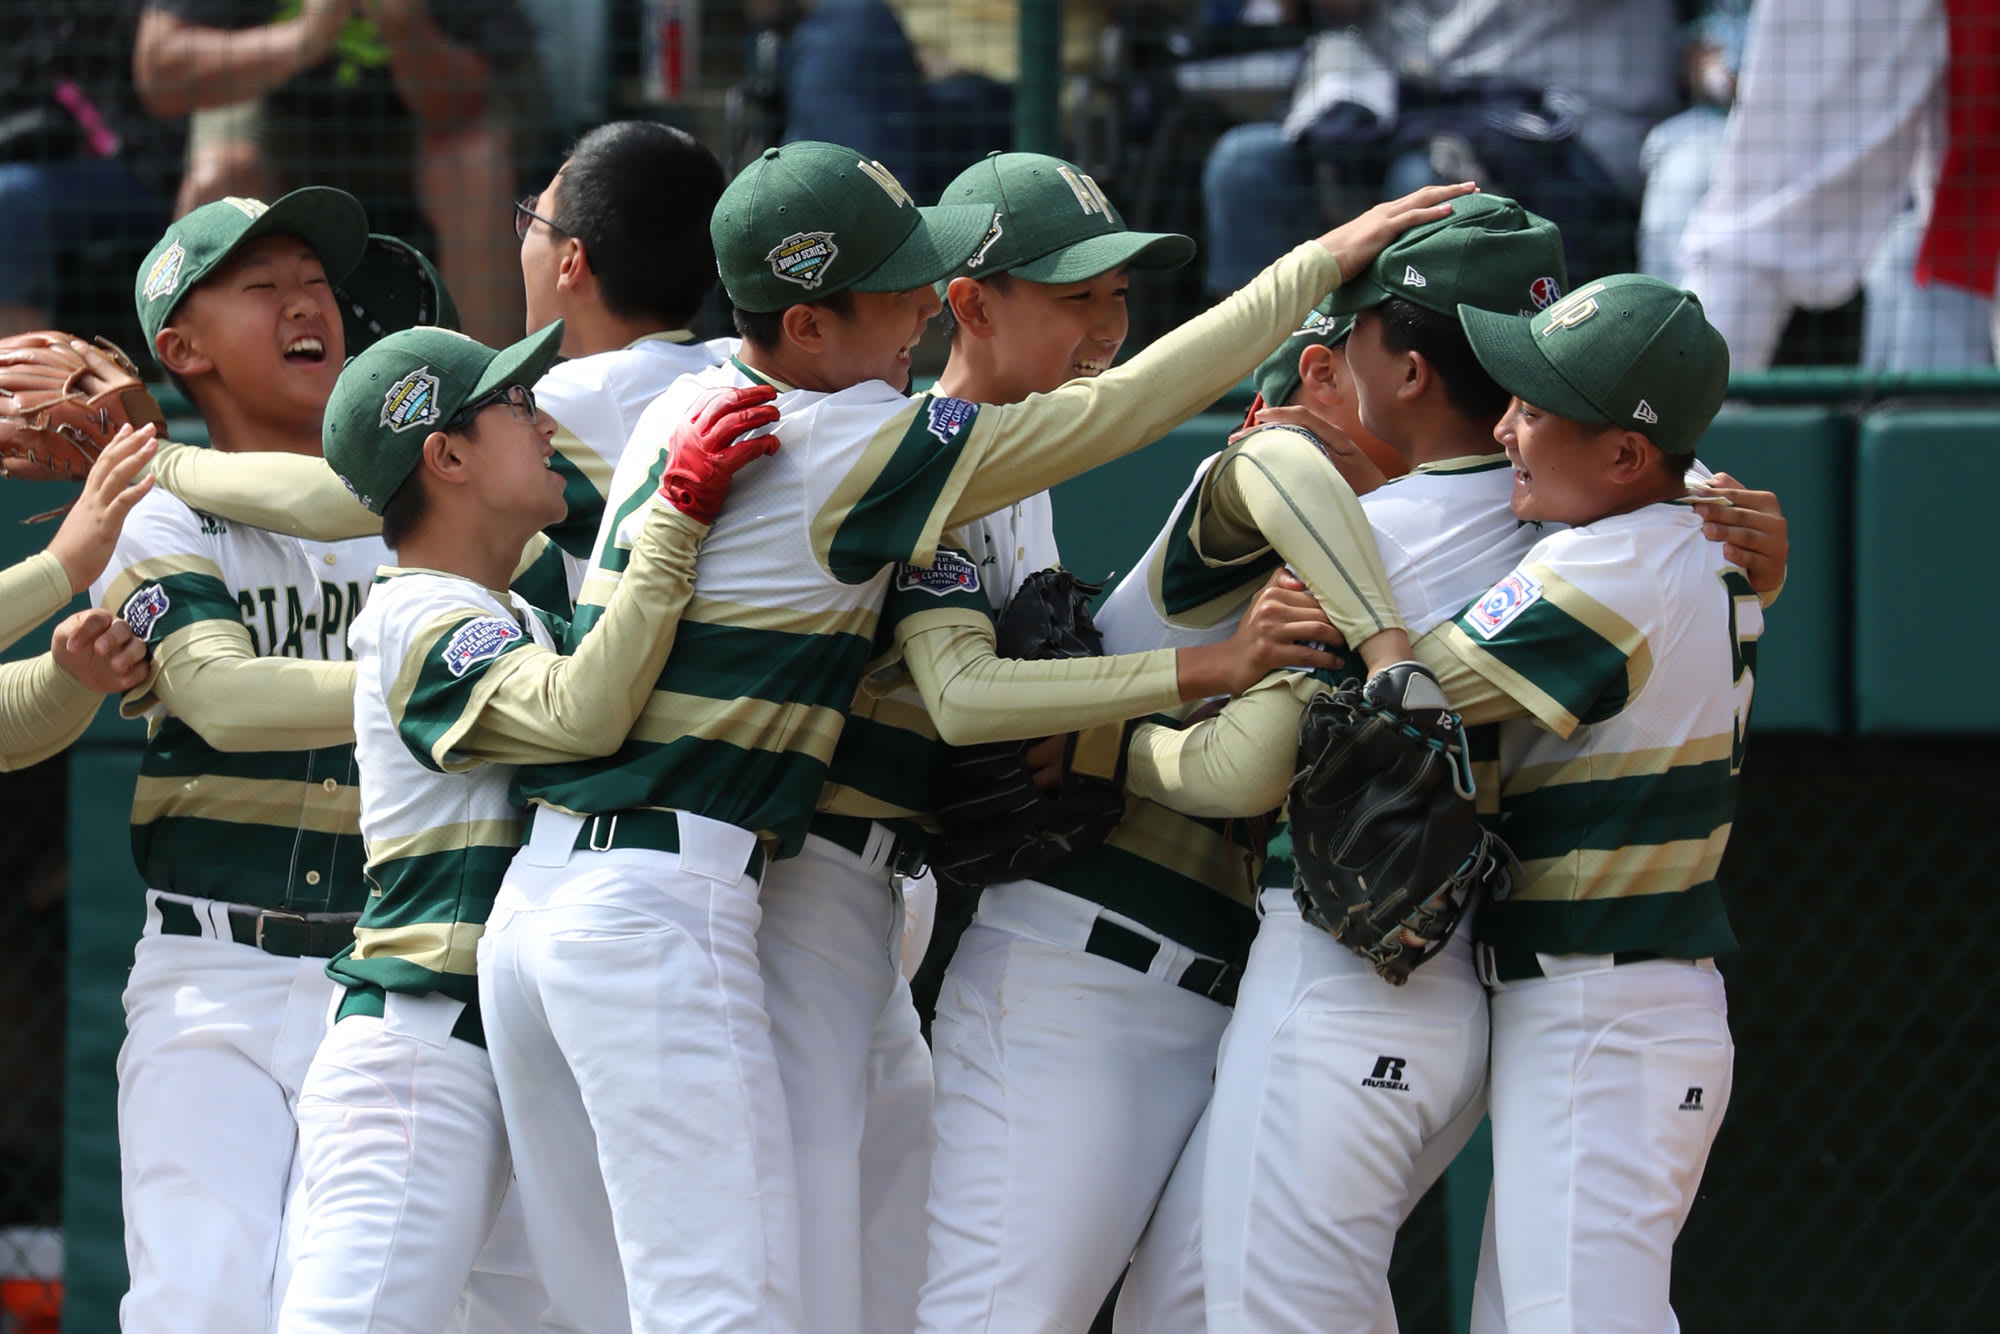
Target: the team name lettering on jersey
pixel 1503 602
pixel 950 573
pixel 477 641
pixel 338 607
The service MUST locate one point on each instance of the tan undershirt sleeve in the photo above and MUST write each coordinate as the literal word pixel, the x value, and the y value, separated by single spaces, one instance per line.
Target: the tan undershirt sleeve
pixel 1049 438
pixel 30 593
pixel 547 708
pixel 285 493
pixel 973 695
pixel 42 710
pixel 209 677
pixel 1237 763
pixel 1276 489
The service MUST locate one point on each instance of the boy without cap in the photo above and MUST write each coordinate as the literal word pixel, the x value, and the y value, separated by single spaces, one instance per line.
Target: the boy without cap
pixel 244 817
pixel 457 681
pixel 647 864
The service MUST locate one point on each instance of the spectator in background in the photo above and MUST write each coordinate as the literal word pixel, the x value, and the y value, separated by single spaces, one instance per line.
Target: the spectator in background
pixel 416 107
pixel 1679 154
pixel 1547 102
pixel 78 157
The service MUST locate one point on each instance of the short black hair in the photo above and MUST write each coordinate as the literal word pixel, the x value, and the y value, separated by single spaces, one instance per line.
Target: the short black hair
pixel 639 195
pixel 1441 340
pixel 406 508
pixel 947 323
pixel 766 328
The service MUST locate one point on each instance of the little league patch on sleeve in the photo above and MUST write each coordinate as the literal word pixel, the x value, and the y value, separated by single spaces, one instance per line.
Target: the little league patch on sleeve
pixel 144 608
pixel 1503 602
pixel 478 641
pixel 949 416
pixel 411 401
pixel 950 573
pixel 804 257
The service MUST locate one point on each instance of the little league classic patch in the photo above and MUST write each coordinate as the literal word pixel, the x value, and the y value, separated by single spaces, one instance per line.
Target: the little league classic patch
pixel 1503 602
pixel 950 573
pixel 476 642
pixel 948 417
pixel 803 257
pixel 142 611
pixel 411 401
pixel 165 275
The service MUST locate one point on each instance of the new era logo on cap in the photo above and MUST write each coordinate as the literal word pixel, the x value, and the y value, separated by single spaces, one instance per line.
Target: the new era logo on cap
pixel 1644 412
pixel 1411 278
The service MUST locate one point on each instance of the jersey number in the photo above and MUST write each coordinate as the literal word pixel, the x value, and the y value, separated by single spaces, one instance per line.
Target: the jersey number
pixel 1742 653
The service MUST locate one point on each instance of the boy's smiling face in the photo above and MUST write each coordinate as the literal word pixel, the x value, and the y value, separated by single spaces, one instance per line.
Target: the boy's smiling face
pixel 1047 334
pixel 1563 469
pixel 267 326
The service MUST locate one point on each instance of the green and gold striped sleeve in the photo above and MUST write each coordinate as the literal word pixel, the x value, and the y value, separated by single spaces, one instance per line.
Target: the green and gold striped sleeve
pixel 942 462
pixel 1276 491
pixel 294 494
pixel 525 705
pixel 1563 658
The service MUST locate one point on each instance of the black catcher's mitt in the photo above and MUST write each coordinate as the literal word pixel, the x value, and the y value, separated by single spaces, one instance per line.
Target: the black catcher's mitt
pixel 998 826
pixel 1387 849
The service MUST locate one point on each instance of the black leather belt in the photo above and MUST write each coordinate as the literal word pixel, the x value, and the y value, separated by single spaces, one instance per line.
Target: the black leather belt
pixel 1204 977
pixel 1512 963
pixel 907 856
pixel 652 830
pixel 289 935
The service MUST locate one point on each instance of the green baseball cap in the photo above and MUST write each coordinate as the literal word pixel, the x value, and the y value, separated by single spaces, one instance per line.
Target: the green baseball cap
pixel 1488 252
pixel 810 219
pixel 395 286
pixel 1278 378
pixel 1627 351
pixel 331 221
pixel 1052 224
pixel 390 398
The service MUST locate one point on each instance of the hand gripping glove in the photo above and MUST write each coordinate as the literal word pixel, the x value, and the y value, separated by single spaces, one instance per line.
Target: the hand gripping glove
pixel 998 826
pixel 1387 850
pixel 725 431
pixel 61 402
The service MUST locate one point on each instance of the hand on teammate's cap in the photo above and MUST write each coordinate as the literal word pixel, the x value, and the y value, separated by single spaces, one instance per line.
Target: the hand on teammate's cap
pixel 1355 243
pixel 717 440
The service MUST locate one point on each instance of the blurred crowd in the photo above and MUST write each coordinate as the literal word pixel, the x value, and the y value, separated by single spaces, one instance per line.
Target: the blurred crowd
pixel 1776 156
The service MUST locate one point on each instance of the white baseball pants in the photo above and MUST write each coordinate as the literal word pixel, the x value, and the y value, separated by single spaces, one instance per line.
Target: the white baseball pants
pixel 406 1165
pixel 857 1079
pixel 1586 1205
pixel 218 1038
pixel 625 1019
pixel 1067 1085
pixel 1339 1100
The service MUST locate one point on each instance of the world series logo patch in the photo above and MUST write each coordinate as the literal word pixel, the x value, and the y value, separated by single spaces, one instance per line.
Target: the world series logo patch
pixel 804 257
pixel 1503 603
pixel 948 417
pixel 165 275
pixel 142 611
pixel 476 642
pixel 950 573
pixel 411 401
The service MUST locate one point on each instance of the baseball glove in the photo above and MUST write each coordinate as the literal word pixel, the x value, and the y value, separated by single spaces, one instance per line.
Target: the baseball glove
pixel 61 401
pixel 1388 853
pixel 998 826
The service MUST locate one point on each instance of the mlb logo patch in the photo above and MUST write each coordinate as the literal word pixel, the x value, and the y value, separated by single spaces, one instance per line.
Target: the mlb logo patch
pixel 476 642
pixel 1503 603
pixel 948 416
pixel 142 611
pixel 952 573
pixel 803 258
pixel 411 401
pixel 165 275
pixel 1544 292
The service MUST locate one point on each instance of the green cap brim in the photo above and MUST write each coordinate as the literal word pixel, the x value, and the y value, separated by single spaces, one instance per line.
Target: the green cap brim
pixel 1100 254
pixel 1356 295
pixel 524 362
pixel 331 221
pixel 944 238
pixel 1505 346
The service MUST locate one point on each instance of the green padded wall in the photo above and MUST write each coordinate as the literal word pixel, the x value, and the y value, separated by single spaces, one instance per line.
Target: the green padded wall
pixel 1804 454
pixel 1923 480
pixel 1105 518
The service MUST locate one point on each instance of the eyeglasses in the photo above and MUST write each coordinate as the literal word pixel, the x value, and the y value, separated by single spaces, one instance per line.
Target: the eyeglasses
pixel 525 217
pixel 518 397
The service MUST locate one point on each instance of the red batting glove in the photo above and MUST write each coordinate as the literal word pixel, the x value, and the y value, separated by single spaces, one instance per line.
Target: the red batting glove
pixel 707 449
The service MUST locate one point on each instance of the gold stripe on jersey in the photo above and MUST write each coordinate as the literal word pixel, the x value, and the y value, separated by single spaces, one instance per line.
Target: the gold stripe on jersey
pixel 750 723
pixel 438 947
pixel 1626 764
pixel 586 462
pixel 262 801
pixel 1623 873
pixel 158 569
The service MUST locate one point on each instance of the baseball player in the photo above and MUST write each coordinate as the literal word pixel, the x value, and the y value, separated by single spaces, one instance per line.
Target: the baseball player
pixel 856 1073
pixel 617 247
pixel 1620 658
pixel 47 701
pixel 404 1155
pixel 244 816
pixel 647 864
